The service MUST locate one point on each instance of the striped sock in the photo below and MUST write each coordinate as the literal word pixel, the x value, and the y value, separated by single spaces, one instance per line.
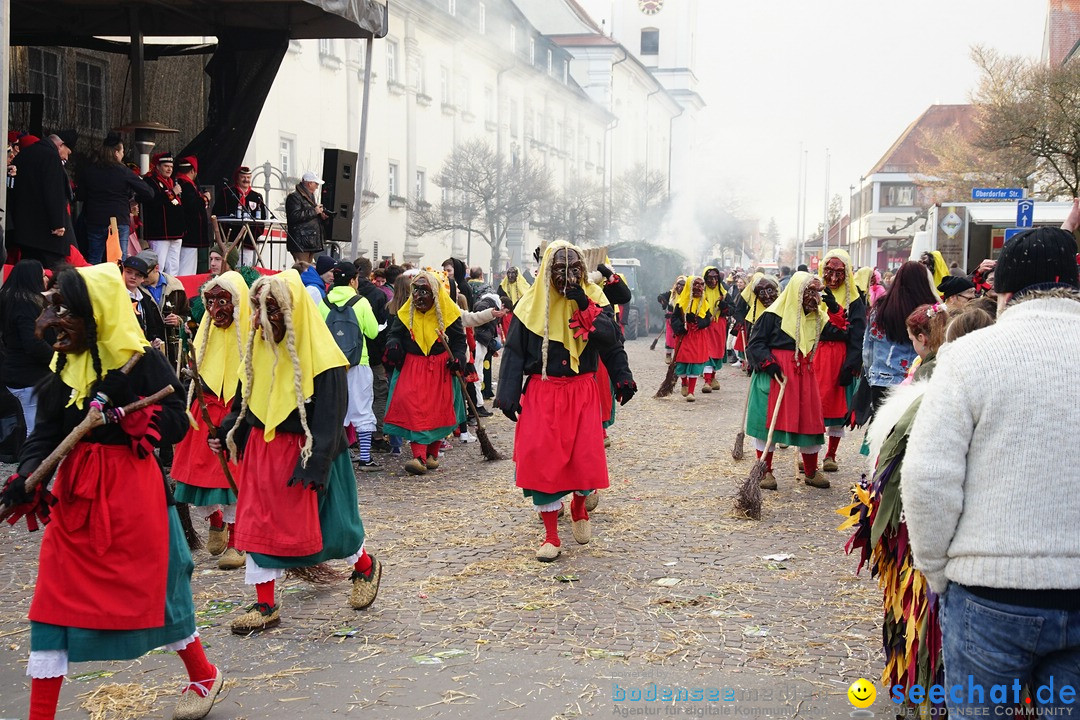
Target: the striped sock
pixel 364 438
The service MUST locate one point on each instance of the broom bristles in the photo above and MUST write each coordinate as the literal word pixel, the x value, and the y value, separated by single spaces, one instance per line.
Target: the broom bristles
pixel 191 535
pixel 748 501
pixel 737 451
pixel 486 448
pixel 668 386
pixel 321 574
pixel 655 340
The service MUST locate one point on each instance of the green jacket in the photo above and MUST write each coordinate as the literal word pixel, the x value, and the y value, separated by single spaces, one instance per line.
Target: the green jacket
pixel 365 318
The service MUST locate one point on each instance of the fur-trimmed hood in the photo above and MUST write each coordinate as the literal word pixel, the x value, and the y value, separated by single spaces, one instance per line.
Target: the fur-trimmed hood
pixel 897 402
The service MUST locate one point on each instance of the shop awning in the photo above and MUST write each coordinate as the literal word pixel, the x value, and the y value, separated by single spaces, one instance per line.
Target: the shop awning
pixel 1004 213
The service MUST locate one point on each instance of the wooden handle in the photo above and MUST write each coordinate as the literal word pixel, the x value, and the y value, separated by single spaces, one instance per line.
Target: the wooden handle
pixel 775 413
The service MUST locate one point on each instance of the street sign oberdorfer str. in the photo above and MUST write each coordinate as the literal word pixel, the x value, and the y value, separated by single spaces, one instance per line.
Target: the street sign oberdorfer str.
pixel 997 193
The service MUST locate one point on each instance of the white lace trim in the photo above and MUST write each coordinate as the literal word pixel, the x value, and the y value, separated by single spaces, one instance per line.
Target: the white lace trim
pixel 550 507
pixel 759 445
pixel 180 644
pixel 47 664
pixel 356 555
pixel 228 513
pixel 810 450
pixel 254 575
pixel 835 431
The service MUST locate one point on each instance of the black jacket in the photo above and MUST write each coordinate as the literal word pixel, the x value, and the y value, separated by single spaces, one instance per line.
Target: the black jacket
pixel 767 336
pixel 377 299
pixel 488 333
pixel 39 200
pixel 196 217
pixel 853 336
pixel 107 191
pixel 455 337
pixel 150 318
pixel 163 215
pixel 617 293
pixel 305 227
pixel 26 359
pixel 325 417
pixel 522 357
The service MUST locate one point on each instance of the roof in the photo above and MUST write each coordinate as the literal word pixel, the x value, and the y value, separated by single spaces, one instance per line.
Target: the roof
pixel 1062 31
pixel 583 40
pixel 907 155
pixel 582 15
pixel 72 22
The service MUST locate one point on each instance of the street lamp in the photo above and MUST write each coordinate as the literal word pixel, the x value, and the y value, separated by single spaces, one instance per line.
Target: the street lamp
pixel 468 215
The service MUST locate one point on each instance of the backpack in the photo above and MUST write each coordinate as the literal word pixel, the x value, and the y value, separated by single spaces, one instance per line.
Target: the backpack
pixel 346 329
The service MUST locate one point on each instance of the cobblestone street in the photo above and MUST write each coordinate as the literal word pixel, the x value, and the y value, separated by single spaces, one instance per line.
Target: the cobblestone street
pixel 672 590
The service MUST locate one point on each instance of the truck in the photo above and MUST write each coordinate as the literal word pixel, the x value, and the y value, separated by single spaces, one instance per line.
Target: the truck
pixel 634 316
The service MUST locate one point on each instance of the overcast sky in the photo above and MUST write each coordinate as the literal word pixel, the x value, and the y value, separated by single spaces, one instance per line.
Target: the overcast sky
pixel 849 75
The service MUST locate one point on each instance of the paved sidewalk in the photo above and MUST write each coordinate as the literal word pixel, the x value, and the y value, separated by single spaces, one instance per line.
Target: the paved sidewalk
pixel 467 624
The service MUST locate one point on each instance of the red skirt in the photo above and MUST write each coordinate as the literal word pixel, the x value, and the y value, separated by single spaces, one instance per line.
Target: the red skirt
pixel 718 338
pixel 828 360
pixel 194 463
pixel 558 443
pixel 695 346
pixel 272 517
pixel 669 335
pixel 740 337
pixel 105 554
pixel 603 386
pixel 423 395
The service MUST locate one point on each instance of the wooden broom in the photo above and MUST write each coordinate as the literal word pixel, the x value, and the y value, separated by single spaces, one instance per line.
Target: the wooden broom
pixel 748 501
pixel 486 448
pixel 737 451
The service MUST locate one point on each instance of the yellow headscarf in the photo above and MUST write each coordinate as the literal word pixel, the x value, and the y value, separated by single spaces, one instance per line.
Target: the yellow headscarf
pixel 547 313
pixel 849 291
pixel 803 328
pixel 716 294
pixel 425 327
pixel 862 279
pixel 220 352
pixel 756 306
pixel 118 333
pixel 941 268
pixel 274 378
pixel 673 296
pixel 516 290
pixel 686 298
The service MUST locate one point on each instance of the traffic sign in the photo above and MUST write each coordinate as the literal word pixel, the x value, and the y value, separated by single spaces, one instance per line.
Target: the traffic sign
pixel 1025 213
pixel 997 193
pixel 1009 232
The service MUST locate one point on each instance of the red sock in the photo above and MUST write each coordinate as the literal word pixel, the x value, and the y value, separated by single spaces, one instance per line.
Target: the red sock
pixel 809 461
pixel 692 382
pixel 198 667
pixel 264 591
pixel 551 527
pixel 683 381
pixel 709 377
pixel 577 508
pixel 433 450
pixel 44 697
pixel 363 564
pixel 834 443
pixel 232 536
pixel 217 520
pixel 768 461
pixel 419 450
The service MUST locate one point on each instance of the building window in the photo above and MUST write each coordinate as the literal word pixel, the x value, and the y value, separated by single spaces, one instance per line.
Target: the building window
pixel 391 61
pixel 513 118
pixel 444 85
pixel 549 61
pixel 463 93
pixel 45 79
pixel 421 184
pixel 530 123
pixel 451 7
pixel 566 72
pixel 89 95
pixel 482 19
pixel 532 50
pixel 286 148
pixel 513 39
pixel 898 196
pixel 326 47
pixel 421 76
pixel 391 181
pixel 650 41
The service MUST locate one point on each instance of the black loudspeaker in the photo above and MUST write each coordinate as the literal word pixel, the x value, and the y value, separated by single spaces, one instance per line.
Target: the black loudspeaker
pixel 338 190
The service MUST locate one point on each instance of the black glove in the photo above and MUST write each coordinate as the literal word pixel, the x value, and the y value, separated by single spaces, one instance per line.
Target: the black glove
pixel 703 322
pixel 117 387
pixel 848 373
pixel 512 411
pixel 625 390
pixel 309 483
pixel 34 505
pixel 577 294
pixel 830 301
pixel 453 365
pixel 394 354
pixel 605 270
pixel 772 368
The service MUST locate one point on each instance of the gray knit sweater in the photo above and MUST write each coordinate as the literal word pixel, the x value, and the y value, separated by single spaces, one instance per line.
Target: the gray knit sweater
pixel 991 484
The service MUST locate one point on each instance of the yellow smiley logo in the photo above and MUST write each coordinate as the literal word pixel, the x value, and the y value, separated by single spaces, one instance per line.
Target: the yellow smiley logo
pixel 862 693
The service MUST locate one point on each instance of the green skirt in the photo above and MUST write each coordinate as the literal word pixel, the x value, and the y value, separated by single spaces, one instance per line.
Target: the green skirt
pixel 542 498
pixel 689 369
pixel 339 521
pixel 757 413
pixel 83 644
pixel 203 497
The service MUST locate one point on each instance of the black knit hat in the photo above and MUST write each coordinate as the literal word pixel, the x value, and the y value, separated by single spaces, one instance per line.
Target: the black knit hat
pixel 1035 257
pixel 952 285
pixel 344 272
pixel 324 264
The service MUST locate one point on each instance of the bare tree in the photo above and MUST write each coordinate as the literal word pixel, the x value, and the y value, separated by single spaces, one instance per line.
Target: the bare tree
pixel 725 229
pixel 483 193
pixel 575 214
pixel 641 201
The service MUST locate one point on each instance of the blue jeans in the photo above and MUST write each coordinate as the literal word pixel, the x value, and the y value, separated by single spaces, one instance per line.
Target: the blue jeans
pixel 96 235
pixel 28 400
pixel 987 644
